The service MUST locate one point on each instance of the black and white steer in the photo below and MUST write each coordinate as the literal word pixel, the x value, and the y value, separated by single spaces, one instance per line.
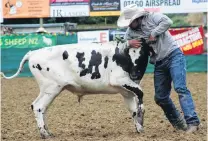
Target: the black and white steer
pixel 92 68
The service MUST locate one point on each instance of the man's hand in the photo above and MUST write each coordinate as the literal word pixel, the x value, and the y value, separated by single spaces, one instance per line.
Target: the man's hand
pixel 134 43
pixel 151 38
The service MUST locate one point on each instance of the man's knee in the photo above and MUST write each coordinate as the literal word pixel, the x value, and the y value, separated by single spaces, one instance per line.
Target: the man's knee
pixel 181 89
pixel 160 100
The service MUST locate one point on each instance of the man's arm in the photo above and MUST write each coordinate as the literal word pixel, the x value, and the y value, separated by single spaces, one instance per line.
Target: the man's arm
pixel 127 36
pixel 130 41
pixel 162 22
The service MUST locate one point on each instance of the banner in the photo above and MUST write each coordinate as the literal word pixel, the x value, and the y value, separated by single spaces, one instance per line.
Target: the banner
pixel 27 41
pixel 25 8
pixel 169 6
pixel 189 39
pixel 93 36
pixel 69 8
pixel 68 38
pixel 104 8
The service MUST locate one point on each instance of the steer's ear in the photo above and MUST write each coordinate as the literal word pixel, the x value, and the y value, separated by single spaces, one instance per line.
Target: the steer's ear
pixel 143 40
pixel 122 40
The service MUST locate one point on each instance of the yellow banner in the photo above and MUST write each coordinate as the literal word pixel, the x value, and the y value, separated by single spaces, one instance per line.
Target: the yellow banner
pixel 105 13
pixel 26 8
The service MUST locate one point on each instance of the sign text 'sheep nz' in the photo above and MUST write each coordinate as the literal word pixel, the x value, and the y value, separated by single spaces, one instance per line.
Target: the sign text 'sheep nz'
pixel 169 6
pixel 27 41
pixel 70 11
pixel 93 36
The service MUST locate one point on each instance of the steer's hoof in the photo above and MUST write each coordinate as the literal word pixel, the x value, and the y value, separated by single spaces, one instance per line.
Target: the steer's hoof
pixel 46 136
pixel 139 129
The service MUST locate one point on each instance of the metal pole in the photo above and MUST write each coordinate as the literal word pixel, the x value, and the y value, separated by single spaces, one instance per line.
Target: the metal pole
pixel 41 22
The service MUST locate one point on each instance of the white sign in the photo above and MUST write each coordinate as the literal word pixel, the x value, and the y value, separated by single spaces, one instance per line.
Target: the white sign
pixel 93 36
pixel 1 12
pixel 69 11
pixel 169 6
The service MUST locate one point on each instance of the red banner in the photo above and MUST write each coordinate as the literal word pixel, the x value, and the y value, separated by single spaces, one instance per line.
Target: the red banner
pixel 189 39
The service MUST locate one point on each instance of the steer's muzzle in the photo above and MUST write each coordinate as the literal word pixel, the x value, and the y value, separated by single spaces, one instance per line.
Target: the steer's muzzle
pixel 135 74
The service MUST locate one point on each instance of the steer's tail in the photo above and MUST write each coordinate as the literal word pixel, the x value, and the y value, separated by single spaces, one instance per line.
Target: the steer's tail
pixel 24 60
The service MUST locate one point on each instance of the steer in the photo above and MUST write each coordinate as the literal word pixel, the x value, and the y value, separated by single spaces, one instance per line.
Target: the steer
pixel 90 68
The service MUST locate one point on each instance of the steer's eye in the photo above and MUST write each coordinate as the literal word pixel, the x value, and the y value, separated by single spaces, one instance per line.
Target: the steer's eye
pixel 134 51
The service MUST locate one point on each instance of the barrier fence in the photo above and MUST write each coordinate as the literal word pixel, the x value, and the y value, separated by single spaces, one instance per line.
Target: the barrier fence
pixel 11 58
pixel 15 46
pixel 191 40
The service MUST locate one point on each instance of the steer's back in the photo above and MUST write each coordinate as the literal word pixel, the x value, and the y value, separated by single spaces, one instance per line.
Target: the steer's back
pixel 87 67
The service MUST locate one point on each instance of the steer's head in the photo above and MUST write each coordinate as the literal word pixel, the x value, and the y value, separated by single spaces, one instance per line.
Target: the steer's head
pixel 134 60
pixel 139 59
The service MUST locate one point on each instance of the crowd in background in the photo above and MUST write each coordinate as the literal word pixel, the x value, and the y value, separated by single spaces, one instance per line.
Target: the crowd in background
pixel 6 30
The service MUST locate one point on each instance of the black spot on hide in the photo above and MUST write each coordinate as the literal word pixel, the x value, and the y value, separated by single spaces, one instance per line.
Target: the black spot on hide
pixel 80 57
pixel 134 114
pixel 95 61
pixel 106 62
pixel 38 67
pixel 45 127
pixel 123 60
pixel 136 91
pixel 65 55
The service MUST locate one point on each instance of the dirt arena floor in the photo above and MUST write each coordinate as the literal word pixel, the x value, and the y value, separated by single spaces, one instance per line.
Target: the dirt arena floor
pixel 98 117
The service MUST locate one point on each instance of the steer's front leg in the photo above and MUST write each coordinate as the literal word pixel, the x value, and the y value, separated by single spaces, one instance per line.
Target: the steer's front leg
pixel 134 101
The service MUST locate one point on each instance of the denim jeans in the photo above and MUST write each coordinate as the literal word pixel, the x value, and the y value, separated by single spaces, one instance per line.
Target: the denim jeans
pixel 173 69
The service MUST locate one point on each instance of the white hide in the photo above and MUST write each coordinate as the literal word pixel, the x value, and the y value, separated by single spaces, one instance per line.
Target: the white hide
pixel 54 74
pixel 67 72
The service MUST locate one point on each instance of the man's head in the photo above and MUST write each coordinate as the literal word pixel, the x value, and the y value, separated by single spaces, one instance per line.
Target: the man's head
pixel 135 24
pixel 130 14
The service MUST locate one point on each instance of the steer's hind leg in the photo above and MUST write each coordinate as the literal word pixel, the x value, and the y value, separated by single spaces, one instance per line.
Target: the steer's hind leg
pixel 40 105
pixel 133 97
